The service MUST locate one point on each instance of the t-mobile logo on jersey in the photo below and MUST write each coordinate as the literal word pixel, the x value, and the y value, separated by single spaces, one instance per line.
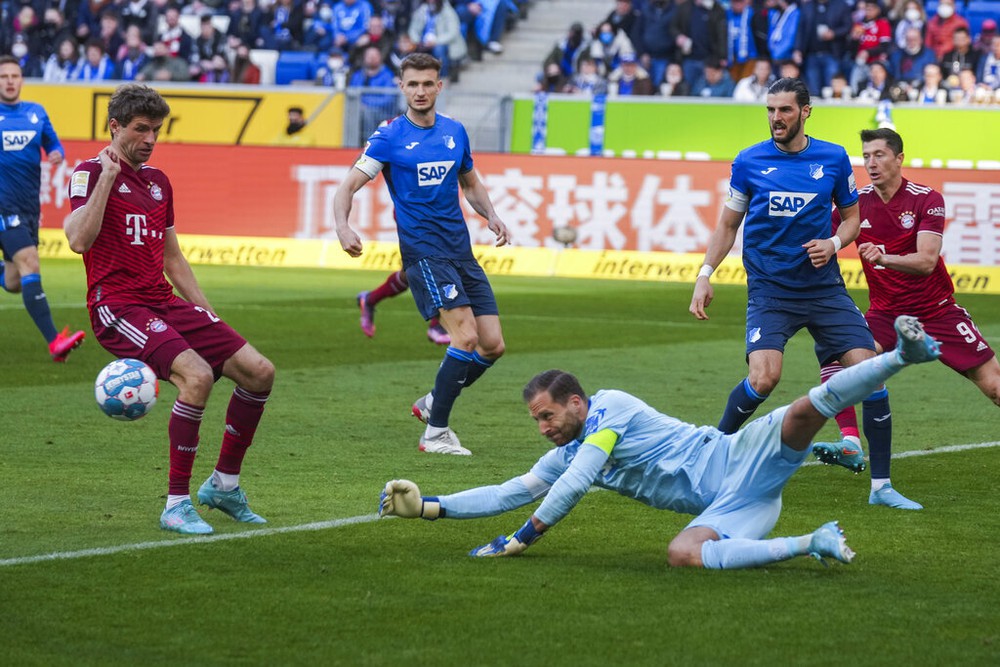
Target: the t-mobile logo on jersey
pixel 135 226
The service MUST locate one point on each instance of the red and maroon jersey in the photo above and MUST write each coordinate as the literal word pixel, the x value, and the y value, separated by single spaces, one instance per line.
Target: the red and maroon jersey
pixel 893 227
pixel 125 263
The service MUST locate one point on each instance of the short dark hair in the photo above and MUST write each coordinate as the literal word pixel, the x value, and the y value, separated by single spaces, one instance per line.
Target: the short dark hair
pixel 135 99
pixel 790 85
pixel 890 136
pixel 420 61
pixel 560 385
pixel 9 60
pixel 295 109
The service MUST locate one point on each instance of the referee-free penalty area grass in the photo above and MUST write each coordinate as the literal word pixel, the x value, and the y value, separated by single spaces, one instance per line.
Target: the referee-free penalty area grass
pixel 923 589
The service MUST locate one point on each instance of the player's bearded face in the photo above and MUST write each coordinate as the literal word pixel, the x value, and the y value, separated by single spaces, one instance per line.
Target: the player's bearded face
pixel 785 128
pixel 561 424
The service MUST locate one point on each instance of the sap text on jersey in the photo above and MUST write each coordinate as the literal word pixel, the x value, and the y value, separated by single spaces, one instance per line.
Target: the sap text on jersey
pixel 788 204
pixel 14 140
pixel 433 173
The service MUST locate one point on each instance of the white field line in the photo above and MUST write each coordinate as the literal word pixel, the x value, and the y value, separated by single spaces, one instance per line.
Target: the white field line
pixel 339 523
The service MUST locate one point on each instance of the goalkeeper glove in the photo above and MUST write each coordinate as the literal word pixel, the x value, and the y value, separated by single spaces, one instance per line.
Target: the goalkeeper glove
pixel 509 545
pixel 402 498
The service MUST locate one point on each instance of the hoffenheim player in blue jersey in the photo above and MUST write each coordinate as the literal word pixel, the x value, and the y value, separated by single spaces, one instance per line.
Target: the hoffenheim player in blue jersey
pixel 731 482
pixel 786 188
pixel 424 157
pixel 25 130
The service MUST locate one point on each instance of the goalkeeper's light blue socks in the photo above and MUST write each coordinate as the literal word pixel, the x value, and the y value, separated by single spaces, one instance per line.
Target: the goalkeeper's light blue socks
pixel 855 383
pixel 734 554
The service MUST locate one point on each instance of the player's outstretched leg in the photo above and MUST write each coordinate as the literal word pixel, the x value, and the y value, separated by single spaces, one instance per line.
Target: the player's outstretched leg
pixel 738 553
pixel 367 314
pixel 913 345
pixel 844 453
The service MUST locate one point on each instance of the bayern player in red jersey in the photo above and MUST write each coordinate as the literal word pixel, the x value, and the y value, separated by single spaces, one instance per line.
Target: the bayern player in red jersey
pixel 900 248
pixel 123 224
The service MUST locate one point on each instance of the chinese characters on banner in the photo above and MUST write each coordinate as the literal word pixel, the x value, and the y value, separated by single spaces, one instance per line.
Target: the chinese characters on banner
pixel 613 204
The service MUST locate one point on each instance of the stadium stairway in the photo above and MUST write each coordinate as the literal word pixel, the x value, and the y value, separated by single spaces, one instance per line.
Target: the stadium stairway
pixel 526 46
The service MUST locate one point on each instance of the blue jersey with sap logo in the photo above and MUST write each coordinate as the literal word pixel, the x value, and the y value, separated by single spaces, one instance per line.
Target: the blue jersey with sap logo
pixel 421 167
pixel 788 199
pixel 25 130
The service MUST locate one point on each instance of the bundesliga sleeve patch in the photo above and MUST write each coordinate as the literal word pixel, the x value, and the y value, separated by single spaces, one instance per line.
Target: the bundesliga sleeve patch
pixel 369 165
pixel 78 184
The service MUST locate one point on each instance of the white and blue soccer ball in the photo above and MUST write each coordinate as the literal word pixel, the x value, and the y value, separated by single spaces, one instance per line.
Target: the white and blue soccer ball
pixel 126 389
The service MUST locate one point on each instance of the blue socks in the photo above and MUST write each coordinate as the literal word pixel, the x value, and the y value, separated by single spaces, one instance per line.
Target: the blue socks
pixel 877 419
pixel 478 366
pixel 738 553
pixel 742 403
pixel 37 305
pixel 451 378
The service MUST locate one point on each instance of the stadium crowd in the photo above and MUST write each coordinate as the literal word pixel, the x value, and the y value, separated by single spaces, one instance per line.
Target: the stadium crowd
pixel 145 40
pixel 868 50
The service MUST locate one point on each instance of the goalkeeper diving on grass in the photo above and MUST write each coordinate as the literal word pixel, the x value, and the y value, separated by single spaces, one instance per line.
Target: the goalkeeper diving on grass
pixel 732 483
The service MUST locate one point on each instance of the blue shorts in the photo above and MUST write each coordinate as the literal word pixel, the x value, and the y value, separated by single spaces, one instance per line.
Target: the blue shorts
pixel 16 233
pixel 834 322
pixel 749 499
pixel 438 283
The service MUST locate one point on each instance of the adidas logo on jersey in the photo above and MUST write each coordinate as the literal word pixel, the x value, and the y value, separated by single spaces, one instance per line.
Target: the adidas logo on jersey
pixel 433 173
pixel 787 204
pixel 124 189
pixel 982 346
pixel 865 224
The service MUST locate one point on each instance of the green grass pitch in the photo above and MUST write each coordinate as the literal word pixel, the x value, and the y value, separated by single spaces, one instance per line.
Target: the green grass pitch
pixel 324 584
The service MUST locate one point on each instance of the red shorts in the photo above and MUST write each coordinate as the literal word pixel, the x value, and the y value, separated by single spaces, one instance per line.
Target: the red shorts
pixel 962 346
pixel 156 334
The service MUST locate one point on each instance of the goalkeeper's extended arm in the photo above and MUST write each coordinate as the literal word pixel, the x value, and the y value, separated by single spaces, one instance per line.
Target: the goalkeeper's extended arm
pixel 512 545
pixel 402 498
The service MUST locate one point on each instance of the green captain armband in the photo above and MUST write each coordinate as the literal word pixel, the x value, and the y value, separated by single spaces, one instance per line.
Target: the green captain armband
pixel 605 440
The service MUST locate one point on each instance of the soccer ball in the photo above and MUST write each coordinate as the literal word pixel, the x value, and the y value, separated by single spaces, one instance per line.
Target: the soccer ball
pixel 126 389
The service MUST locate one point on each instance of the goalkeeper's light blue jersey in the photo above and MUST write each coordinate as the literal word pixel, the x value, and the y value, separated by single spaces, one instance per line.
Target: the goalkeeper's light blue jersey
pixel 25 130
pixel 654 458
pixel 421 167
pixel 788 200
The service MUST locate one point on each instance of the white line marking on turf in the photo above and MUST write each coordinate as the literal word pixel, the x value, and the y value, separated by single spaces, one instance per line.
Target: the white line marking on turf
pixel 339 523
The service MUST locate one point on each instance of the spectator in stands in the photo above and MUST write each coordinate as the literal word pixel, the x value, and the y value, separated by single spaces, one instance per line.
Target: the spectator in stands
pixel 969 91
pixel 824 28
pixel 699 31
pixel 984 43
pixel 215 70
pixel 52 31
pixel 319 35
pixel 179 43
pixel 753 88
pixel 25 30
pixel 609 47
pixel 674 84
pixel 654 45
pixel 878 86
pixel 552 79
pixel 96 64
pixel 111 35
pixel 625 17
pixel 839 89
pixel 783 30
pixel 567 52
pixel 375 107
pixel 163 66
pixel 31 63
pixel 989 66
pixel 483 23
pixel 588 81
pixel 402 47
pixel 144 15
pixel 350 21
pixel 60 65
pixel 88 18
pixel 132 56
pixel 435 29
pixel 907 64
pixel 377 36
pixel 913 16
pixel 282 24
pixel 334 70
pixel 932 91
pixel 242 70
pixel 789 69
pixel 245 20
pixel 741 45
pixel 870 40
pixel 209 44
pixel 963 56
pixel 629 78
pixel 715 81
pixel 941 28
